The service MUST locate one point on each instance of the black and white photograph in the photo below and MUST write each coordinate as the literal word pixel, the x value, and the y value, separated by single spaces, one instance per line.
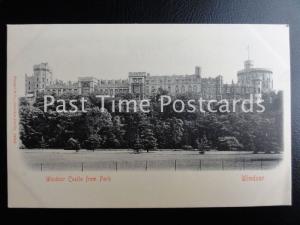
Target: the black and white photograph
pixel 100 102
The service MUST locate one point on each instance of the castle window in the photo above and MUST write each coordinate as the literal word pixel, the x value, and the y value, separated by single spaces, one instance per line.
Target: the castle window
pixel 182 89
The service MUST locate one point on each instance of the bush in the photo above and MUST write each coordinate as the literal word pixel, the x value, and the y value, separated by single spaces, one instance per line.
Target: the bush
pixel 72 144
pixel 92 142
pixel 187 147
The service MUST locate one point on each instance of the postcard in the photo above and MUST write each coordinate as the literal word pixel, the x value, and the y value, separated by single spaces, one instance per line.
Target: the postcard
pixel 148 115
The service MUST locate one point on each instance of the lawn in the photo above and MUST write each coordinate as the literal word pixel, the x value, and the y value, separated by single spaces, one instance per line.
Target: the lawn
pixel 49 160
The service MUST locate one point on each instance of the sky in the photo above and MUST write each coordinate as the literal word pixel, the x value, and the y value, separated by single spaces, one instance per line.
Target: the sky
pixel 111 51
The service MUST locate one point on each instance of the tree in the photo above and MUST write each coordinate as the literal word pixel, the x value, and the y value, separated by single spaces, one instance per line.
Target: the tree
pixel 162 131
pixel 109 138
pixel 202 144
pixel 119 131
pixel 176 131
pixel 97 121
pixel 148 140
pixel 33 126
pixel 257 132
pixel 137 144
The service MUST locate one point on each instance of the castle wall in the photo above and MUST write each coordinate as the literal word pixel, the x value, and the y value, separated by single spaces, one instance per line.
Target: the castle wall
pixel 250 81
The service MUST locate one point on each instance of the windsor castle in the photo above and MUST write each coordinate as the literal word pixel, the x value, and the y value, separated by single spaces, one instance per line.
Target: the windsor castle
pixel 250 80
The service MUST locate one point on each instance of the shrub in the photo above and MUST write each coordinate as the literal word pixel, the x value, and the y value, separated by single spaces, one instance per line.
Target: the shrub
pixel 72 144
pixel 93 142
pixel 187 147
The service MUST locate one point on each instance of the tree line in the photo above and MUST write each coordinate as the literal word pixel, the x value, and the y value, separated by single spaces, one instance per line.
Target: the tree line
pixel 257 132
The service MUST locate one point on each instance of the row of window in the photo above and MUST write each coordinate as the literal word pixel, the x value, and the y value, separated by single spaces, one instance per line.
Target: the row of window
pixel 37 81
pixel 112 91
pixel 170 81
pixel 178 89
pixel 37 86
pixel 62 90
pixel 137 80
pixel 102 82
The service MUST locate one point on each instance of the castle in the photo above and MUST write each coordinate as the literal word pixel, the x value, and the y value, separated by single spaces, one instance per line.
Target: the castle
pixel 251 80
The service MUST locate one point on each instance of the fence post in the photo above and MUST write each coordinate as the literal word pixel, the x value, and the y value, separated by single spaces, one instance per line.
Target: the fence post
pixel 81 167
pixel 41 166
pixel 175 164
pixel 243 163
pixel 116 165
pixel 200 166
pixel 146 164
pixel 222 164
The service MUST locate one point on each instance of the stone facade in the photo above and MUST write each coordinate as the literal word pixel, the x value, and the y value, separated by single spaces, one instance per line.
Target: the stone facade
pixel 250 81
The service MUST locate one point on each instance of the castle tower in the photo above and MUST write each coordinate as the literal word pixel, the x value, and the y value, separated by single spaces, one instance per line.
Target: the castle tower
pixel 250 75
pixel 136 82
pixel 198 71
pixel 41 78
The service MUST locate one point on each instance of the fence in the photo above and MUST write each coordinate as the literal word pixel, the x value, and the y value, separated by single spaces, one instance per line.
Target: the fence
pixel 177 164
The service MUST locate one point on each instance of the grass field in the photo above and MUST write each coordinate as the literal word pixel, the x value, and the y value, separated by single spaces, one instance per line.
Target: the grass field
pixel 49 160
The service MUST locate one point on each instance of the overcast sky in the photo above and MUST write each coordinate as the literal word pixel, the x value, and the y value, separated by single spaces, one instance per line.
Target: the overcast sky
pixel 111 51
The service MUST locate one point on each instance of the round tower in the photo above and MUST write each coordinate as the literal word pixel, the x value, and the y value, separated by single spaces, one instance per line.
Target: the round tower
pixel 248 76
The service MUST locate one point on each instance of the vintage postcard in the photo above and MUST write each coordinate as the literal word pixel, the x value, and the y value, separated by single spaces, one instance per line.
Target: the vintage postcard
pixel 148 115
